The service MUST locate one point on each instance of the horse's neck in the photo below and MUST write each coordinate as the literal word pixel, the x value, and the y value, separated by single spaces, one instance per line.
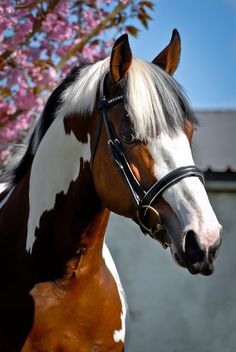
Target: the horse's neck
pixel 60 232
pixel 89 249
pixel 60 160
pixel 62 198
pixel 62 201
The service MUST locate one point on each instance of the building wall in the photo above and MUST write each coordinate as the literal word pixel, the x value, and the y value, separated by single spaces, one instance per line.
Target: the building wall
pixel 171 310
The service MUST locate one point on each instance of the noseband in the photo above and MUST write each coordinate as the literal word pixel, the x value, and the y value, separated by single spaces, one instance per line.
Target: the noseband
pixel 142 198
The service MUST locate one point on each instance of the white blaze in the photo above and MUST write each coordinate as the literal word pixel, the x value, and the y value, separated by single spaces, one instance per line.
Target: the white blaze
pixel 188 197
pixel 55 165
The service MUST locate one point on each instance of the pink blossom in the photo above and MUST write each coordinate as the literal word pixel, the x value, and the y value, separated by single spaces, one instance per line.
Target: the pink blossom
pixel 18 38
pixel 35 71
pixel 3 106
pixel 61 51
pixel 63 9
pixel 9 133
pixel 52 73
pixel 11 109
pixel 6 9
pixel 49 23
pixel 26 27
pixel 24 121
pixel 24 100
pixel 90 18
pixel 60 31
pixel 89 53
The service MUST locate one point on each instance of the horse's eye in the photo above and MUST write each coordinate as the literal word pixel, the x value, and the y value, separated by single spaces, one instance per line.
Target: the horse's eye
pixel 128 137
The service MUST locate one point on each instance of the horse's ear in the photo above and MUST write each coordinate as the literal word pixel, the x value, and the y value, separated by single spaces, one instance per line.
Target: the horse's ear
pixel 168 59
pixel 121 57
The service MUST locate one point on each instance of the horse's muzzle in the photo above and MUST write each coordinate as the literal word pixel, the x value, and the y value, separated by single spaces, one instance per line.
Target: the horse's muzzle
pixel 195 257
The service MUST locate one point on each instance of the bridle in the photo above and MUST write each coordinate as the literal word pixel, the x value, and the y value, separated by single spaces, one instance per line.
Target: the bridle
pixel 142 198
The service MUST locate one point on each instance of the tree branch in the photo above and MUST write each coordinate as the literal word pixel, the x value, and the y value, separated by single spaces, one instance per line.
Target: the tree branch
pixel 26 6
pixel 84 40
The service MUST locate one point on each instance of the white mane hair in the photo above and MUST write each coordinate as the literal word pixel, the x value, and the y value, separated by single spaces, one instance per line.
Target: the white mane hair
pixel 81 96
pixel 153 99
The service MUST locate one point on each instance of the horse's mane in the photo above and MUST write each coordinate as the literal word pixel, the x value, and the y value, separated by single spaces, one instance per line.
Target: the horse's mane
pixel 154 100
pixel 20 166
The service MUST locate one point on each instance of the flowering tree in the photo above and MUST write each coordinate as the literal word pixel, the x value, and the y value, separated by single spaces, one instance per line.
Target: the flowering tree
pixel 41 40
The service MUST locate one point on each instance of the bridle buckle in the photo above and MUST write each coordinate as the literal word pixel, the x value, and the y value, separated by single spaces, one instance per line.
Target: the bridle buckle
pixel 153 232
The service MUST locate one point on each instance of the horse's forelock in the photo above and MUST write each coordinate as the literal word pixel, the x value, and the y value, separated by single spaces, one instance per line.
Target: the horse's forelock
pixel 155 101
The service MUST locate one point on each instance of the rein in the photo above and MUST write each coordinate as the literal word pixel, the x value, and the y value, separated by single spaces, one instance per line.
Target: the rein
pixel 142 198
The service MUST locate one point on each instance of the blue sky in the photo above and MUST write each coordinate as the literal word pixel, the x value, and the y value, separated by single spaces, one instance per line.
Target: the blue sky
pixel 207 68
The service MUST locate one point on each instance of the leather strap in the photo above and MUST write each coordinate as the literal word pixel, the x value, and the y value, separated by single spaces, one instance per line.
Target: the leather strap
pixel 169 180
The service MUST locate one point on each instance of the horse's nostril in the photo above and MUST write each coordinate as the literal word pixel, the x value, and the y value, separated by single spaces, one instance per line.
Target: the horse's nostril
pixel 213 250
pixel 194 250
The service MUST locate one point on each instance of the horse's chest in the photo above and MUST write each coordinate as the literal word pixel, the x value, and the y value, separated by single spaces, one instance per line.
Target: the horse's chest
pixel 84 317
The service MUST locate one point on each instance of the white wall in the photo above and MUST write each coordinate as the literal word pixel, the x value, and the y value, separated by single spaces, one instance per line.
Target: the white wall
pixel 171 310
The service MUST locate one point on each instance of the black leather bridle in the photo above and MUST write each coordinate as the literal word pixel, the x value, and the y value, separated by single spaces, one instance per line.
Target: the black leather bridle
pixel 142 198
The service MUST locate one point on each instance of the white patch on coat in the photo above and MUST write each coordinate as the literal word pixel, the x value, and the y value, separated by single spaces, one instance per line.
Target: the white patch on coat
pixel 3 186
pixel 56 164
pixel 188 198
pixel 118 335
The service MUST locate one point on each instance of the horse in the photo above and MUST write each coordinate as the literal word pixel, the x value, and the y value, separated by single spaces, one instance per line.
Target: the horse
pixel 115 136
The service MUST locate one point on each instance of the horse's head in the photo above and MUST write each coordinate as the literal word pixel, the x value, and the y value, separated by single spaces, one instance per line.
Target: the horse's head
pixel 141 156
